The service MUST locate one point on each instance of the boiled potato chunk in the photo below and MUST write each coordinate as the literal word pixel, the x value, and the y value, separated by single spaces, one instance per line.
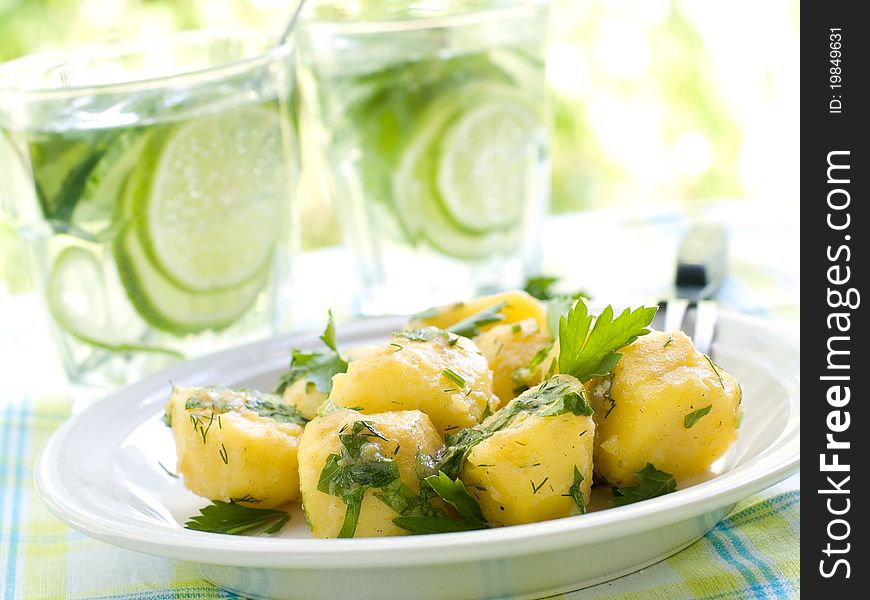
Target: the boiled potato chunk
pixel 406 433
pixel 654 410
pixel 524 472
pixel 304 397
pixel 528 376
pixel 441 374
pixel 518 306
pixel 236 444
pixel 509 348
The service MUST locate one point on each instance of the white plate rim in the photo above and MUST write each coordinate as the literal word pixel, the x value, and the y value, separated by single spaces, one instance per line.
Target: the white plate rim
pixel 780 460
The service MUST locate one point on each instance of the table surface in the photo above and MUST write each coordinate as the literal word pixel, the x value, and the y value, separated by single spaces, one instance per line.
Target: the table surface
pixel 615 254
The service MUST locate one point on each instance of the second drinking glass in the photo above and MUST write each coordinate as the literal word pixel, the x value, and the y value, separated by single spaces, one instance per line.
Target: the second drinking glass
pixel 431 129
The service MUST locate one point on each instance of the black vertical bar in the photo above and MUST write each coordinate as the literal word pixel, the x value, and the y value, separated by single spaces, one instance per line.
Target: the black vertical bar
pixel 834 174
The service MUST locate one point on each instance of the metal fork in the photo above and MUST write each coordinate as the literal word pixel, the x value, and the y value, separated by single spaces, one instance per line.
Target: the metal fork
pixel 701 263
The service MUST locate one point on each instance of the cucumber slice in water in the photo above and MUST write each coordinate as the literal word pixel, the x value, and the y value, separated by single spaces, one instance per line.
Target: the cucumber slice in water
pixel 61 169
pixel 174 309
pixel 103 188
pixel 78 301
pixel 458 184
pixel 483 166
pixel 419 207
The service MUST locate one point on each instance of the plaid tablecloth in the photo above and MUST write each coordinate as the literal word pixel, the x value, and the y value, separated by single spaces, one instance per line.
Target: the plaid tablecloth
pixel 753 553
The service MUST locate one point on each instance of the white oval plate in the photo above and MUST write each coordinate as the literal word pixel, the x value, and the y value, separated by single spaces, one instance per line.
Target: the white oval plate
pixel 101 474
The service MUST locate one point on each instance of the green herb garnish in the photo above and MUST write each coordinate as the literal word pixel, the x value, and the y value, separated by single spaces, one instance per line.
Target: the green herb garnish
pixel 470 326
pixel 693 417
pixel 536 488
pixel 316 367
pixel 576 493
pixel 223 400
pixel 454 377
pixel 456 495
pixel 551 398
pixel 557 303
pixel 405 502
pixel 422 524
pixel 585 353
pixel 523 375
pixel 273 408
pixel 541 287
pixel 359 467
pixel 715 370
pixel 235 519
pixel 167 471
pixel 652 483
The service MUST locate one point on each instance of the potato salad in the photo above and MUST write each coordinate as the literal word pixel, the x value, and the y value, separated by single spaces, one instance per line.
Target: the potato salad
pixel 501 410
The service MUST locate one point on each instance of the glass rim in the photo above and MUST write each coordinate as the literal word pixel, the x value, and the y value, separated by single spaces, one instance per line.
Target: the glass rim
pixel 466 16
pixel 139 45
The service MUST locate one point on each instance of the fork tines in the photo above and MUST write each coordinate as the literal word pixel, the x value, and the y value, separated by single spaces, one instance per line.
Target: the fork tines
pixel 701 328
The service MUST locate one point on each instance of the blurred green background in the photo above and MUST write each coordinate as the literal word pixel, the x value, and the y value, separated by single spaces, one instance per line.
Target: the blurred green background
pixel 670 101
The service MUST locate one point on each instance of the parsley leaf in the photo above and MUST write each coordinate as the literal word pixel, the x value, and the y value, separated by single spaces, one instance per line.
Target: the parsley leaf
pixel 576 493
pixel 652 483
pixel 470 326
pixel 541 287
pixel 693 417
pixel 422 524
pixel 572 402
pixel 360 466
pixel 586 354
pixel 328 336
pixel 405 502
pixel 235 519
pixel 316 367
pixel 454 493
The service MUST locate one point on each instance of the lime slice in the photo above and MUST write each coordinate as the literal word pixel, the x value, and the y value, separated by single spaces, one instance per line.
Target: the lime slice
pixel 172 308
pixel 481 178
pixel 214 206
pixel 78 302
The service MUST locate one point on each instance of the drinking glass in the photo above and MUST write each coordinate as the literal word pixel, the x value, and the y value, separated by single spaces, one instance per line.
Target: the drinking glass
pixel 153 184
pixel 430 121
